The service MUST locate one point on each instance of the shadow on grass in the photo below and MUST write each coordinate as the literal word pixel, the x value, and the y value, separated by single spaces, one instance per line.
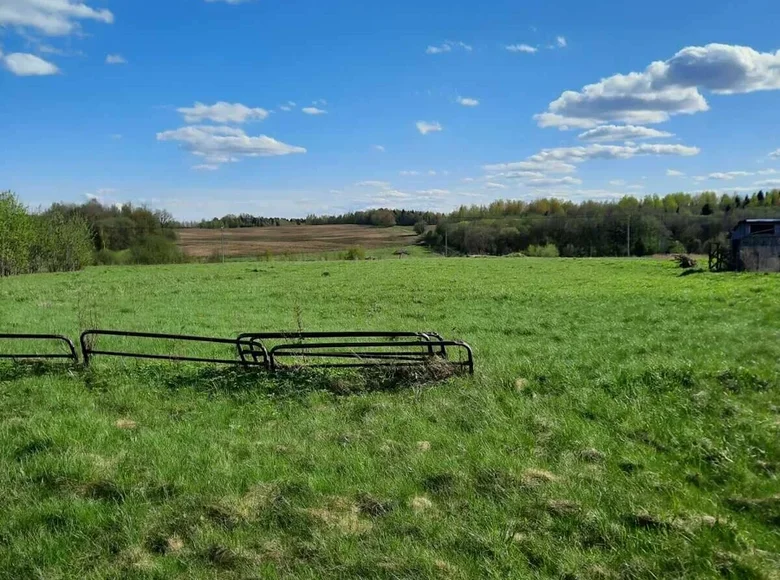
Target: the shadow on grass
pixel 237 380
pixel 691 271
pixel 300 381
pixel 15 370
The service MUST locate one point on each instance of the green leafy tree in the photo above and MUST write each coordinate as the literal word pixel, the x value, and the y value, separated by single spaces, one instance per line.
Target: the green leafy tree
pixel 16 236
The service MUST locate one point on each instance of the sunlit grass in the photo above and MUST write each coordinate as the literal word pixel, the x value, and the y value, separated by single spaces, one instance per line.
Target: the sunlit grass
pixel 623 422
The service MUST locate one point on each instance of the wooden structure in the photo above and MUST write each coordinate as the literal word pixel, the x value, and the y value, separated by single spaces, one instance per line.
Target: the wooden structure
pixel 754 245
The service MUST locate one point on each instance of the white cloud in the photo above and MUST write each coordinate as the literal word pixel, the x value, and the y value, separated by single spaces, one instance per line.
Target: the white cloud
pixel 226 144
pixel 621 133
pixel 431 172
pixel 728 175
pixel 50 17
pixel 553 181
pixel 116 136
pixel 560 42
pixel 321 102
pixel 288 106
pixel 636 186
pixel 494 185
pixel 447 46
pixel 768 183
pixel 221 112
pixel 532 165
pixel 767 172
pixel 468 179
pixel 775 154
pixel 373 183
pixel 666 88
pixel 617 182
pixel 426 127
pixel 563 159
pixel 25 65
pixel 433 192
pixel 115 59
pixel 674 173
pixel 313 111
pixel 521 48
pixel 467 102
pixel 380 148
pixel 408 172
pixel 520 175
pixel 205 167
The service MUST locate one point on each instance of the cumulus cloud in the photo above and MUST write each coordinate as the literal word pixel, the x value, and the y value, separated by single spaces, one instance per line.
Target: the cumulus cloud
pixel 621 133
pixel 25 65
pixel 447 46
pixel 617 182
pixel 205 167
pixel 50 17
pixel 426 127
pixel 560 42
pixel 775 154
pixel 407 172
pixel 221 144
pixel 313 111
pixel 115 59
pixel 666 88
pixel 674 173
pixel 221 112
pixel 521 48
pixel 288 106
pixel 494 185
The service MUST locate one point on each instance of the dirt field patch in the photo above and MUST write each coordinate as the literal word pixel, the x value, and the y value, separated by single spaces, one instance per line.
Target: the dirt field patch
pixel 239 242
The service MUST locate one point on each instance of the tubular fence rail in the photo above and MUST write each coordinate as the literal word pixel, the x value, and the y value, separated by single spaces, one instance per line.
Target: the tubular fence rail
pixel 271 351
pixel 31 338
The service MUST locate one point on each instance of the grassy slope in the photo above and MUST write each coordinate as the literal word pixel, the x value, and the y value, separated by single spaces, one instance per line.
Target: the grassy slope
pixel 648 401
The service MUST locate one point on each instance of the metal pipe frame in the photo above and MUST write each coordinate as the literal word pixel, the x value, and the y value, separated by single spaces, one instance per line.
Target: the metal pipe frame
pixel 88 352
pixel 71 355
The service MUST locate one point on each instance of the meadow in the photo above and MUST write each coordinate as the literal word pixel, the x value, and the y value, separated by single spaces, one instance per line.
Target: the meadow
pixel 290 240
pixel 623 422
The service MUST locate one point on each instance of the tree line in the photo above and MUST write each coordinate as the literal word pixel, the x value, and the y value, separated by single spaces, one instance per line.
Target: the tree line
pixel 67 237
pixel 382 217
pixel 51 242
pixel 675 223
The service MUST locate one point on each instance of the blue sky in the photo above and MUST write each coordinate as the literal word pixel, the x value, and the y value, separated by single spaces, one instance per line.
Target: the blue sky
pixel 206 107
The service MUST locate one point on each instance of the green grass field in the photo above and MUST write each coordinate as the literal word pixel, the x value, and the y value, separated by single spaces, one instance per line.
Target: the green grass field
pixel 623 422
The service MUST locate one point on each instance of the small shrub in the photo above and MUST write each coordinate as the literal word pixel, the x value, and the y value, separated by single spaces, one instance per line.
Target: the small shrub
pixel 356 253
pixel 419 228
pixel 546 251
pixel 156 249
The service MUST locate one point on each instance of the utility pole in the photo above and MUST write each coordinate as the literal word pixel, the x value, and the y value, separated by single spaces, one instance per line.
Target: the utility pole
pixel 628 238
pixel 222 243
